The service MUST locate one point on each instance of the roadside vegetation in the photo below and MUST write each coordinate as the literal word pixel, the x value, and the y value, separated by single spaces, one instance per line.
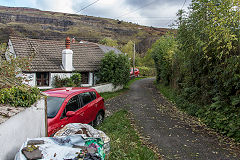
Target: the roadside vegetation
pixel 144 63
pixel 198 68
pixel 73 81
pixel 114 69
pixel 125 142
pixel 12 88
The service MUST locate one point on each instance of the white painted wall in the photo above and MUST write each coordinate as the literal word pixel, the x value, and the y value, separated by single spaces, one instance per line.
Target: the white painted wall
pixel 29 123
pixel 30 79
pixel 10 51
pixel 107 88
pixel 90 80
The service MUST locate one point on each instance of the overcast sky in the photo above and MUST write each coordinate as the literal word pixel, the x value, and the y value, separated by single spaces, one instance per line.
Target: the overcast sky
pixel 157 13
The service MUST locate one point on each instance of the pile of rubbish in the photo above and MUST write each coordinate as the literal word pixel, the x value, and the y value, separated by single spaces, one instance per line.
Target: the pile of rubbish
pixel 75 141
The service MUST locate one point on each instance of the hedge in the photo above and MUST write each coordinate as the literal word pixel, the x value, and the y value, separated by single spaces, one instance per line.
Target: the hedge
pixel 19 96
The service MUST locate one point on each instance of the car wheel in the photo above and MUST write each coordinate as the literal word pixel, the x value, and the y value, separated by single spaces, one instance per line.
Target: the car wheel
pixel 99 119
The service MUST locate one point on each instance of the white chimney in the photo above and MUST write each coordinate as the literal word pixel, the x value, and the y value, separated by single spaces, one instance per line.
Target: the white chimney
pixel 67 56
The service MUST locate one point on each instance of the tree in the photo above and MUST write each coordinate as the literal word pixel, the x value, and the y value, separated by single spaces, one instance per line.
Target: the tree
pixel 129 50
pixel 147 60
pixel 109 42
pixel 114 69
pixel 11 68
pixel 162 52
pixel 12 89
pixel 208 63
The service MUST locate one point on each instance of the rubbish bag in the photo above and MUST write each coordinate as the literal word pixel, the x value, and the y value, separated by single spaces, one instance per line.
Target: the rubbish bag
pixel 74 141
pixel 86 131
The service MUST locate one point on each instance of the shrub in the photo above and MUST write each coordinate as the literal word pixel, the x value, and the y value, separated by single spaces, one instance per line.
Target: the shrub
pixel 205 66
pixel 146 71
pixel 10 68
pixel 19 96
pixel 73 81
pixel 109 42
pixel 163 51
pixel 76 79
pixel 114 69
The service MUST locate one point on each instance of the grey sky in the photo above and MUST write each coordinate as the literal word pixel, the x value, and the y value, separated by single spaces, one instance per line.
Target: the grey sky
pixel 157 13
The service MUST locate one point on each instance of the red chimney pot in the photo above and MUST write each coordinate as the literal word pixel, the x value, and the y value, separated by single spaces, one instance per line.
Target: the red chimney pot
pixel 67 43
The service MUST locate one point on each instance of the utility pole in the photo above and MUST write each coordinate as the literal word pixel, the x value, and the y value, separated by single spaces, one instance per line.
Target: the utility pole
pixel 134 50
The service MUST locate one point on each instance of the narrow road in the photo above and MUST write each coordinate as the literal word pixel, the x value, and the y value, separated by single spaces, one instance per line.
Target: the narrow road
pixel 176 135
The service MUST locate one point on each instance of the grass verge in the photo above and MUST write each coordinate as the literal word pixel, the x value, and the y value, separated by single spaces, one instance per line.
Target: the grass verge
pixel 166 91
pixel 125 142
pixel 108 95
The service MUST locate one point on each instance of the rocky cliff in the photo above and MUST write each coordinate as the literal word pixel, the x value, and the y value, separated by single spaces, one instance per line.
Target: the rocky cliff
pixel 34 23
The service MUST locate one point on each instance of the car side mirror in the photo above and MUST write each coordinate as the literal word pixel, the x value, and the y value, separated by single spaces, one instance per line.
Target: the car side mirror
pixel 70 114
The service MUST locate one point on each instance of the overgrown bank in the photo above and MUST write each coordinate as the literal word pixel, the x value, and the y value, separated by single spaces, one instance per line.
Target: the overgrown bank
pixel 201 64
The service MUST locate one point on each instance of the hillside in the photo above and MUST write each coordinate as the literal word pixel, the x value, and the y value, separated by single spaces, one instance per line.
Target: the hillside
pixel 34 23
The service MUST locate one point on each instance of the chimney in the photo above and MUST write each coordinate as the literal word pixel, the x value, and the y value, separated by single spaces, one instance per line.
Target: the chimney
pixel 67 56
pixel 73 40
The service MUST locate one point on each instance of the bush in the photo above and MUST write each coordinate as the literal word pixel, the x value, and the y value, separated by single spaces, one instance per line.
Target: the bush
pixel 146 71
pixel 9 69
pixel 18 96
pixel 114 69
pixel 163 51
pixel 76 79
pixel 73 81
pixel 205 67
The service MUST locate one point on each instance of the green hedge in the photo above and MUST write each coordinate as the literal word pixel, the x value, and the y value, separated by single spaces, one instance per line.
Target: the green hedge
pixel 18 96
pixel 114 69
pixel 73 81
pixel 202 63
pixel 146 71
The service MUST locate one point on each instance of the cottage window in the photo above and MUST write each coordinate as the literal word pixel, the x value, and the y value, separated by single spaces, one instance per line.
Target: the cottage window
pixel 42 79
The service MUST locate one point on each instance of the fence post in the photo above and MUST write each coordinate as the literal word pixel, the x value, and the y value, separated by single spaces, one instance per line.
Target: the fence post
pixel 46 124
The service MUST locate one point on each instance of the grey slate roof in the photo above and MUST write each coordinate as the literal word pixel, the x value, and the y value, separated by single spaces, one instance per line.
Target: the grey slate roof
pixel 106 49
pixel 48 54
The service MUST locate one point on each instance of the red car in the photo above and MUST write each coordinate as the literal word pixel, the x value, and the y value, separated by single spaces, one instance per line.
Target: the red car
pixel 136 72
pixel 73 105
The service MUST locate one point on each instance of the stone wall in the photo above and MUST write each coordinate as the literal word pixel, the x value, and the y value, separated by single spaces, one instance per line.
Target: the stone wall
pixel 107 88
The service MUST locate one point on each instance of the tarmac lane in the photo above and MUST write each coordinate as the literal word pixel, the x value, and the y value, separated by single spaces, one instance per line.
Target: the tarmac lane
pixel 175 134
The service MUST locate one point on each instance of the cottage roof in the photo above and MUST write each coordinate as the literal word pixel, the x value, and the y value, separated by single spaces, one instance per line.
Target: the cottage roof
pixel 48 54
pixel 106 49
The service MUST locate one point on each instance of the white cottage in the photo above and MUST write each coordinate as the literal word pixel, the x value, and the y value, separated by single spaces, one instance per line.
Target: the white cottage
pixel 51 58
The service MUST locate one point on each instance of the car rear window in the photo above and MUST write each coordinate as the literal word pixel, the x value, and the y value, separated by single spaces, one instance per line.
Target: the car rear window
pixel 86 98
pixel 94 96
pixel 53 106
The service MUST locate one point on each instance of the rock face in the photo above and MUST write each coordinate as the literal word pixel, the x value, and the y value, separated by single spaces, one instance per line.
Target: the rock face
pixel 8 17
pixel 34 23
